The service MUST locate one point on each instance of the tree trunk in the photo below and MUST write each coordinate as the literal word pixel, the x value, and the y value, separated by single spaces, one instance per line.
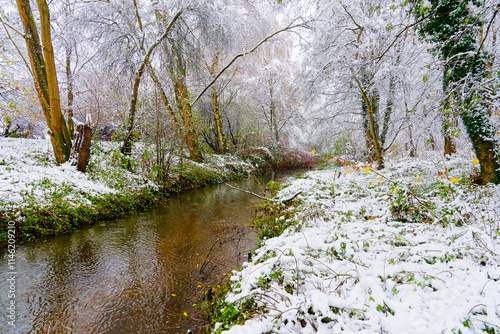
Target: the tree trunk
pixel 69 80
pixel 184 107
pixel 190 132
pixel 413 151
pixel 388 112
pixel 373 126
pixel 450 123
pixel 45 76
pixel 218 124
pixel 81 149
pixel 128 141
pixel 369 141
pixel 450 146
pixel 481 133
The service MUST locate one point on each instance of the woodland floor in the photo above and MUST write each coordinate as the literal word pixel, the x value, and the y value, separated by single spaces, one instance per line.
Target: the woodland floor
pixel 413 248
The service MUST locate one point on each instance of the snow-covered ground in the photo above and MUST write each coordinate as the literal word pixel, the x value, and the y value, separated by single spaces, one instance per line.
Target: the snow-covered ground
pixel 348 265
pixel 27 167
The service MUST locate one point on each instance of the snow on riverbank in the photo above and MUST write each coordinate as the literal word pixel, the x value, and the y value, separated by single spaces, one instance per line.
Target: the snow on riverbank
pixel 30 176
pixel 27 167
pixel 400 251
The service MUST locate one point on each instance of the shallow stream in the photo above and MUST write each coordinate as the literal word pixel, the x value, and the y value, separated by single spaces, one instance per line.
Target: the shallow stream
pixel 134 275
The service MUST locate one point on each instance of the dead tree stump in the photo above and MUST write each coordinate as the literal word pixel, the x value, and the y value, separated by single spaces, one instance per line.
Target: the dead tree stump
pixel 81 148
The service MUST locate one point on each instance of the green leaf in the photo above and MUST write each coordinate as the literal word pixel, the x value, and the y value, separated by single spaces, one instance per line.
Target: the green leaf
pixel 425 78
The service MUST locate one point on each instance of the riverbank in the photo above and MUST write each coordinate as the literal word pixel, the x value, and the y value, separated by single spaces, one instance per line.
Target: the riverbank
pixel 414 248
pixel 43 198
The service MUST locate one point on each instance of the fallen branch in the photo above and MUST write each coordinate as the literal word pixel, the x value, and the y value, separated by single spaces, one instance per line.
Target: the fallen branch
pixel 286 201
pixel 246 191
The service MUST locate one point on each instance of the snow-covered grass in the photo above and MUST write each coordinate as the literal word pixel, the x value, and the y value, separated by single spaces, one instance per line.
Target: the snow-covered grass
pixel 414 248
pixel 29 174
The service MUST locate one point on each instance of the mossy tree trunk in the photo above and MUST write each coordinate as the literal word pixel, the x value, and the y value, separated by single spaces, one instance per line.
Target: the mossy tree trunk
pixel 465 66
pixel 44 73
pixel 222 143
pixel 370 104
pixel 69 80
pixel 184 105
pixel 218 124
pixel 481 133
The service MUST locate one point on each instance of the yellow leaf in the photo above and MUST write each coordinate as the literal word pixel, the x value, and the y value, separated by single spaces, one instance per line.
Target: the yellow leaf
pixel 367 169
pixel 199 286
pixel 454 180
pixel 396 190
pixel 370 183
pixel 380 178
pixel 475 161
pixel 174 295
pixel 185 314
pixel 347 170
pixel 418 180
pixel 313 151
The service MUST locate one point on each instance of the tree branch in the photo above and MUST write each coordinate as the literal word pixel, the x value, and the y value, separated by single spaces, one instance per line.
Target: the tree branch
pixel 399 35
pixel 290 26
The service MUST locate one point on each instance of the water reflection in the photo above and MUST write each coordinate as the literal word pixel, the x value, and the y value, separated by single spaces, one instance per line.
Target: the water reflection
pixel 136 275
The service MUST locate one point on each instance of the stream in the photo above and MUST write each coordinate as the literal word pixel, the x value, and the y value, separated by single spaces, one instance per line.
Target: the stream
pixel 134 275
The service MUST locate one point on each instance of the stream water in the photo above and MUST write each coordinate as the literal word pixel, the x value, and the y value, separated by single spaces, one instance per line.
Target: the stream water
pixel 134 275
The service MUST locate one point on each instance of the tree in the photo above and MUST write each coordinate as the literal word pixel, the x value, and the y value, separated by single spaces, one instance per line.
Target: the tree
pixel 456 32
pixel 357 66
pixel 44 73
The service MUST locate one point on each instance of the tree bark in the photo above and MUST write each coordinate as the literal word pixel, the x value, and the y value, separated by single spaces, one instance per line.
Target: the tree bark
pixel 481 133
pixel 69 80
pixel 217 115
pixel 388 112
pixel 218 123
pixel 81 149
pixel 45 75
pixel 184 107
pixel 128 141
